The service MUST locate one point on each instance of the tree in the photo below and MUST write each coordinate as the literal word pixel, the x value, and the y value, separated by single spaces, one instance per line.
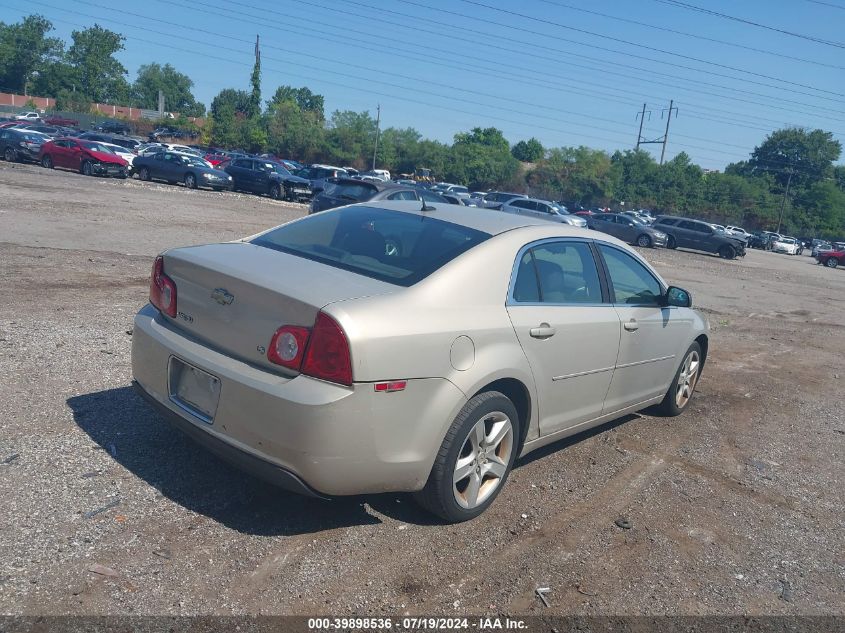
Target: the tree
pixel 807 155
pixel 176 87
pixel 228 111
pixel 575 175
pixel 25 51
pixel 481 158
pixel 101 77
pixel 292 131
pixel 529 151
pixel 306 100
pixel 255 82
pixel 350 138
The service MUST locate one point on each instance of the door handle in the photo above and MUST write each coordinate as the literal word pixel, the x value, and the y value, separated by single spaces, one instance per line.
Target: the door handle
pixel 543 332
pixel 631 325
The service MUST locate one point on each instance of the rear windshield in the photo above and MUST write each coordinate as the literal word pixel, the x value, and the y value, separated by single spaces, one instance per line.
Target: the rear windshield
pixel 354 192
pixel 399 248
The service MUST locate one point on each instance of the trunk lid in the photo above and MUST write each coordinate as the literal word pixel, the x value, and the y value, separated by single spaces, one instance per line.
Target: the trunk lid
pixel 234 296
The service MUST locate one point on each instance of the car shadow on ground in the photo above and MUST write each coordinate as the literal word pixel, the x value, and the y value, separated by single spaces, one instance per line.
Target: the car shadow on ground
pixel 141 441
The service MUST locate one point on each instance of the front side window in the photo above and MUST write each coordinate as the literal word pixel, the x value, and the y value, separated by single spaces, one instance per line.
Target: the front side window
pixel 558 272
pixel 630 281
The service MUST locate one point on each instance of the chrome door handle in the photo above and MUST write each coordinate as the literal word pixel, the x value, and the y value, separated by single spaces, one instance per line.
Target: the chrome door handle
pixel 542 332
pixel 631 325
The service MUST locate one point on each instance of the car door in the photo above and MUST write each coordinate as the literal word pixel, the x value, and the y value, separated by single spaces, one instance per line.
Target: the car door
pixel 568 330
pixel 651 335
pixel 626 229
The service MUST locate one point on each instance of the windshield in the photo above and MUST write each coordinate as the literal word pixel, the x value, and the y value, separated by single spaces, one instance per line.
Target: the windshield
pixel 391 246
pixel 97 147
pixel 277 168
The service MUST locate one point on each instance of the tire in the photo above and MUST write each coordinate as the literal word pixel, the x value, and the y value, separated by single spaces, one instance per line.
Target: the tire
pixel 10 155
pixel 190 181
pixel 644 241
pixel 680 391
pixel 671 243
pixel 483 438
pixel 831 262
pixel 87 169
pixel 275 192
pixel 144 174
pixel 289 195
pixel 47 162
pixel 727 252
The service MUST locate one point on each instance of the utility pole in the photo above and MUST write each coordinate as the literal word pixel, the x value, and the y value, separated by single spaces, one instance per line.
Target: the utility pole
pixel 378 123
pixel 666 135
pixel 783 202
pixel 640 133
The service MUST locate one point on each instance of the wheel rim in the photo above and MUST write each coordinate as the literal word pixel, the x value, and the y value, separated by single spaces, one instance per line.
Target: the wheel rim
pixel 483 460
pixel 86 169
pixel 189 180
pixel 145 174
pixel 10 155
pixel 643 241
pixel 831 263
pixel 275 193
pixel 687 379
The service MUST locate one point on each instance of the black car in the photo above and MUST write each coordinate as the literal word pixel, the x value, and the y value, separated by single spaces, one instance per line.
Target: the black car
pixel 174 167
pixel 341 191
pixel 700 236
pixel 113 127
pixel 21 145
pixel 267 177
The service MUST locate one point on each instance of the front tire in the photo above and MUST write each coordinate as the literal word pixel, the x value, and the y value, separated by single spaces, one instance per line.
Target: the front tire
pixel 47 162
pixel 474 461
pixel 644 241
pixel 87 170
pixel 727 252
pixel 275 192
pixel 683 385
pixel 10 155
pixel 831 262
pixel 190 181
pixel 144 174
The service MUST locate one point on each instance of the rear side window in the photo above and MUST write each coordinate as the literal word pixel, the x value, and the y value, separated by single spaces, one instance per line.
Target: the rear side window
pixel 391 246
pixel 667 221
pixel 558 272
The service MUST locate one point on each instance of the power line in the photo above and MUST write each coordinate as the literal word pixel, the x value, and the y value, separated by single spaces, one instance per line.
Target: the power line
pixel 692 7
pixel 693 35
pixel 827 4
pixel 630 43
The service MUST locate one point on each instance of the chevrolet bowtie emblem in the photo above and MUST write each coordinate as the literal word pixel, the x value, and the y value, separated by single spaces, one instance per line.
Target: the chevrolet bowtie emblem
pixel 222 296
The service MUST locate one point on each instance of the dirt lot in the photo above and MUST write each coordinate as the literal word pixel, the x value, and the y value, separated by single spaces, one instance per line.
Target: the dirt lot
pixel 736 507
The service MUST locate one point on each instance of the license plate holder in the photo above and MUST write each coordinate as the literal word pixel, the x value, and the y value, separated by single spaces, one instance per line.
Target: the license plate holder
pixel 193 390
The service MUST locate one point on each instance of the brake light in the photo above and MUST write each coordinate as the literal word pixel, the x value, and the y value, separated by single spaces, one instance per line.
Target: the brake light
pixel 287 347
pixel 327 356
pixel 162 289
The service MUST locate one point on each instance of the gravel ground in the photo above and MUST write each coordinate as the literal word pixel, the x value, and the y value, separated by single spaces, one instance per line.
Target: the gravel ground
pixel 735 507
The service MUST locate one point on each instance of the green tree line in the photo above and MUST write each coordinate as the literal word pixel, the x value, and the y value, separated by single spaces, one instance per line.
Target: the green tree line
pixel 792 170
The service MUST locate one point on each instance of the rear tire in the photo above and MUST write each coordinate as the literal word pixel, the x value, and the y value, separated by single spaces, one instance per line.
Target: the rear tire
pixel 670 242
pixel 831 262
pixel 47 162
pixel 727 252
pixel 683 385
pixel 644 241
pixel 475 459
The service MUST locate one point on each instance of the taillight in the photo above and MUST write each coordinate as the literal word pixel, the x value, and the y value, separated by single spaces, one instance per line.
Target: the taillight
pixel 321 351
pixel 162 289
pixel 287 347
pixel 327 356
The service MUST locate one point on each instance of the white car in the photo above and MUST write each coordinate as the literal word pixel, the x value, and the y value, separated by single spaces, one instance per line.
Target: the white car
pixel 788 245
pixel 738 230
pixel 121 151
pixel 28 116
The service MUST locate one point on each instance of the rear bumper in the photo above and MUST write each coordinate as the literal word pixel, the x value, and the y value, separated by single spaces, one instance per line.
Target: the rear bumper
pixel 301 432
pixel 245 461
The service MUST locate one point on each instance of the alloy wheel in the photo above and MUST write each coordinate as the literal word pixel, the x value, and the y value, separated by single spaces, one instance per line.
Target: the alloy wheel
pixel 9 154
pixel 644 241
pixel 483 460
pixel 687 379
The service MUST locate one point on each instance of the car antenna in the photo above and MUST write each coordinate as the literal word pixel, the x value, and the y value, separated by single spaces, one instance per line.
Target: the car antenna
pixel 426 207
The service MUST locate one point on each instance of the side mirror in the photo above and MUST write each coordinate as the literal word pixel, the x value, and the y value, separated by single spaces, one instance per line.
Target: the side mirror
pixel 677 297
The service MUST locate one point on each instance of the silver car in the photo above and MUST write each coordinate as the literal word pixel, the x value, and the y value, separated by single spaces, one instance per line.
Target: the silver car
pixel 389 347
pixel 543 210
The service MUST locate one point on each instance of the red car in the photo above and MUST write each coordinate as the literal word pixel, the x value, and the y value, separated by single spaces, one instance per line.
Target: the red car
pixel 60 120
pixel 87 157
pixel 832 259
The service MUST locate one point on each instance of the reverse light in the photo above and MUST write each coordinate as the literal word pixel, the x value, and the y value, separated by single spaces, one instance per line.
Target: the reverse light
pixel 162 289
pixel 287 347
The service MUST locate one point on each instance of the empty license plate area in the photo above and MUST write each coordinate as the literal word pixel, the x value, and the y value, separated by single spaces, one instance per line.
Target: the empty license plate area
pixel 193 389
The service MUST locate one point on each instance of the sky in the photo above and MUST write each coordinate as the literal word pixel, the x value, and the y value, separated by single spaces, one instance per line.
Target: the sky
pixel 568 72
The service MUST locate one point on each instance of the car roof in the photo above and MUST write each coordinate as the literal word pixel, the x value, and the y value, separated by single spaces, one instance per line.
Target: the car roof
pixel 486 220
